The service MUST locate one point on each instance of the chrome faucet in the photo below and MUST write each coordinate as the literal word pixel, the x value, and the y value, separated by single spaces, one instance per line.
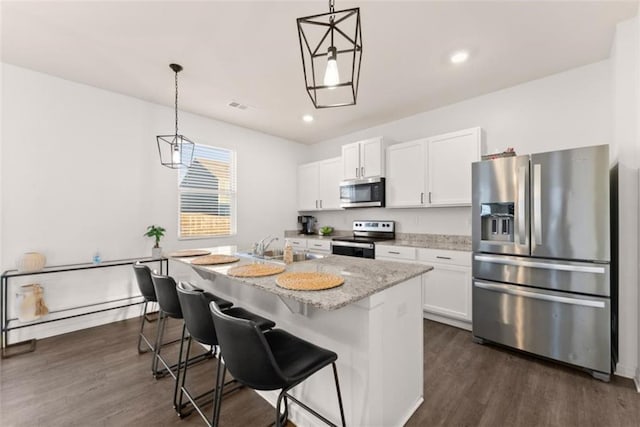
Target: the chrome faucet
pixel 261 246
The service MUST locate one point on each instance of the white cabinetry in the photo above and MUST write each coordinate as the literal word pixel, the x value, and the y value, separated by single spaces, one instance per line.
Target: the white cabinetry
pixel 449 166
pixel 299 244
pixel 363 159
pixel 433 171
pixel 446 290
pixel 319 185
pixel 406 174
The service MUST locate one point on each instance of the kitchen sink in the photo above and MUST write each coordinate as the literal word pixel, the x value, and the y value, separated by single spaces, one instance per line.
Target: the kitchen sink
pixel 277 255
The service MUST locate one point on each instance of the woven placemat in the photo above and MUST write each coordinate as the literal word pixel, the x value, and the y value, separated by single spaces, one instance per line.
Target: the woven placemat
pixel 308 281
pixel 255 270
pixel 189 252
pixel 214 259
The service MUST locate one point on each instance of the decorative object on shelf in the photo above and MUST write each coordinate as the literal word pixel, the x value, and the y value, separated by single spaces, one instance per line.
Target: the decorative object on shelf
pixel 175 150
pixel 325 231
pixel 97 259
pixel 308 281
pixel 156 232
pixel 336 37
pixel 509 152
pixel 30 303
pixel 30 262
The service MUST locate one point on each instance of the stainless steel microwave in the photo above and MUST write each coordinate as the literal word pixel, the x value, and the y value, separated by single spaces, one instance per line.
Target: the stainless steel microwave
pixel 361 193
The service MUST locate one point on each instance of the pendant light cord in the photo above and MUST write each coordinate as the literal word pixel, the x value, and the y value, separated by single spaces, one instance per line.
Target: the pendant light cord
pixel 176 103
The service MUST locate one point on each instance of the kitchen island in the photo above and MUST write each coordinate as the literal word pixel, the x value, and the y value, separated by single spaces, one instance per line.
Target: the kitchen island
pixel 373 322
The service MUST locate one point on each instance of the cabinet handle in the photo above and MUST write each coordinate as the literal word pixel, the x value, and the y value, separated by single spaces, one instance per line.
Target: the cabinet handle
pixel 443 257
pixel 362 171
pixel 317 245
pixel 320 204
pixel 394 252
pixel 316 204
pixel 421 198
pixel 429 197
pixel 357 173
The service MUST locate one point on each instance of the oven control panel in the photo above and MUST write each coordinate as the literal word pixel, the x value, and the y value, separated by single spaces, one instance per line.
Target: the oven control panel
pixel 386 226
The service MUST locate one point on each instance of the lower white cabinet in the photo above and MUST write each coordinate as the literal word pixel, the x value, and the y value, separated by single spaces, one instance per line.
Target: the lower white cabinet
pixel 310 244
pixel 446 290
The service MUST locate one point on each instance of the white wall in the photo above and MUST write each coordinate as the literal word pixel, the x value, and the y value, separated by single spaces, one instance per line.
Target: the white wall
pixel 626 83
pixel 566 110
pixel 80 172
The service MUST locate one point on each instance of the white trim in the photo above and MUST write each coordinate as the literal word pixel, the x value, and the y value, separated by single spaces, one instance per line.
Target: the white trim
pixel 460 324
pixel 625 371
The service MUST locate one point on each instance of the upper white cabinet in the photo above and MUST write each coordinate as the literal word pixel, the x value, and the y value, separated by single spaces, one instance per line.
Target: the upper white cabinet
pixel 449 166
pixel 363 159
pixel 406 174
pixel 433 171
pixel 319 185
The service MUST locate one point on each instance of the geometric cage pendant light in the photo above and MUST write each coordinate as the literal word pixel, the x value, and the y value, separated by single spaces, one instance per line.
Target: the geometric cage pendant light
pixel 331 49
pixel 175 150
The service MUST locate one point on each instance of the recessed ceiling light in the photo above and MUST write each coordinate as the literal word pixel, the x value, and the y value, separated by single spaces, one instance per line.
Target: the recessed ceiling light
pixel 308 118
pixel 459 56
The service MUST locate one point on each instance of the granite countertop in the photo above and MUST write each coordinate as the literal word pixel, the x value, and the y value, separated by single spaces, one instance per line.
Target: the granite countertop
pixel 363 277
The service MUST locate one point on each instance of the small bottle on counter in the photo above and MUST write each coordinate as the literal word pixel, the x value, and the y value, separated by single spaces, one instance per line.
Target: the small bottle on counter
pixel 287 255
pixel 96 259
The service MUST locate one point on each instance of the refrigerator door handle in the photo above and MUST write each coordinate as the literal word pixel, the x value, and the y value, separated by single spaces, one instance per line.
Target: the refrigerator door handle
pixel 506 289
pixel 537 205
pixel 537 264
pixel 521 205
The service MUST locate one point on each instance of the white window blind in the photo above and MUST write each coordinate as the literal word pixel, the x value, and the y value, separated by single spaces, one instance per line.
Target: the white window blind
pixel 208 193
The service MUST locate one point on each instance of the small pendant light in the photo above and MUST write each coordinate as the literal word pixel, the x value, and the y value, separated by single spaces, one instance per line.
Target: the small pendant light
pixel 175 150
pixel 331 48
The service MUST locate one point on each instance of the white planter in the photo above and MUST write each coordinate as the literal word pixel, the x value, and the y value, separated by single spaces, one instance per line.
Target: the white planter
pixel 30 262
pixel 156 252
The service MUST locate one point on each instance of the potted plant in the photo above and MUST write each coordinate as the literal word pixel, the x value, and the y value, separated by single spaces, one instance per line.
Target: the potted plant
pixel 156 232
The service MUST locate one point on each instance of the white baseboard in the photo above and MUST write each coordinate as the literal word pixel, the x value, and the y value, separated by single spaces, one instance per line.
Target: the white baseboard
pixel 626 371
pixel 448 321
pixel 636 380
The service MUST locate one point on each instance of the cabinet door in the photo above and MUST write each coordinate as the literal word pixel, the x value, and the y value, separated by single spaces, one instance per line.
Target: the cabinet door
pixel 371 158
pixel 449 166
pixel 447 291
pixel 351 161
pixel 329 183
pixel 406 174
pixel 308 187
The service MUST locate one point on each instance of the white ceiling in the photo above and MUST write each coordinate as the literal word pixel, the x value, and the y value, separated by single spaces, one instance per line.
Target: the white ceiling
pixel 248 52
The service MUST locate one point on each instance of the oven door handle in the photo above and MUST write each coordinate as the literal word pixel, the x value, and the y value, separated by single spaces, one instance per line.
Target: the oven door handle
pixel 352 244
pixel 511 290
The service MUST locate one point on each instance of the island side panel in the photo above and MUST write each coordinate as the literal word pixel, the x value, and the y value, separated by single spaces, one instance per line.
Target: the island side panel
pixel 380 385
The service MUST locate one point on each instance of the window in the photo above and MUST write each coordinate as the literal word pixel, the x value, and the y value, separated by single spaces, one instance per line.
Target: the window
pixel 208 193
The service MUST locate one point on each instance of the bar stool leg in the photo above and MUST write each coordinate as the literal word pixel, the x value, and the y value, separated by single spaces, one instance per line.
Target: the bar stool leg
pixel 221 372
pixel 158 346
pixel 179 366
pixel 140 334
pixel 335 376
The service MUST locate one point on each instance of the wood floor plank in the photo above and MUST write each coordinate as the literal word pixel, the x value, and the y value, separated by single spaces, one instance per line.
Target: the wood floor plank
pixel 95 377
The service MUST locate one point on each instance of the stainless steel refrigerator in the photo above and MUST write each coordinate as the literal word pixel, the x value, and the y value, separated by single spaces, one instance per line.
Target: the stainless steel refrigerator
pixel 541 262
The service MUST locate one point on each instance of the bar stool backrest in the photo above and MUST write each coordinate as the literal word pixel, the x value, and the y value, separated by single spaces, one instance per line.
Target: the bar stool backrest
pixel 197 317
pixel 167 295
pixel 143 277
pixel 246 352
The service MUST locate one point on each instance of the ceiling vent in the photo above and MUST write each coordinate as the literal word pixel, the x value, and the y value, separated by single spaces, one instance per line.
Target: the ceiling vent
pixel 234 104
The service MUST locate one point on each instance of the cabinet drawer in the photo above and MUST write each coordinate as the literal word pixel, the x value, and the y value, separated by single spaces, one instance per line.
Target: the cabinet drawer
pixel 445 257
pixel 398 252
pixel 319 245
pixel 298 243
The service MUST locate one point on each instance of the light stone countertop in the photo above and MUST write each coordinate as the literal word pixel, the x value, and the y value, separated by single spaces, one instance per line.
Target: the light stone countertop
pixel 363 277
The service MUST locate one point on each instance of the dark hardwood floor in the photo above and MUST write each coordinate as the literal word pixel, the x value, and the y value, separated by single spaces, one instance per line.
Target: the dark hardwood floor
pixel 95 377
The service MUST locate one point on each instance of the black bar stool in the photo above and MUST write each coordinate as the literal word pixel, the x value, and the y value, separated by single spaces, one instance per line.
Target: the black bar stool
pixel 199 323
pixel 269 360
pixel 143 277
pixel 169 303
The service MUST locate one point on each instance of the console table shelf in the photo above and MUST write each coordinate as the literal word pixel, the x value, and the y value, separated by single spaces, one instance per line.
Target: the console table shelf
pixel 7 323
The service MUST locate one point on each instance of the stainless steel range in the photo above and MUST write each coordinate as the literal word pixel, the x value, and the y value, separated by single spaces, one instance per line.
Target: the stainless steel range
pixel 365 235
